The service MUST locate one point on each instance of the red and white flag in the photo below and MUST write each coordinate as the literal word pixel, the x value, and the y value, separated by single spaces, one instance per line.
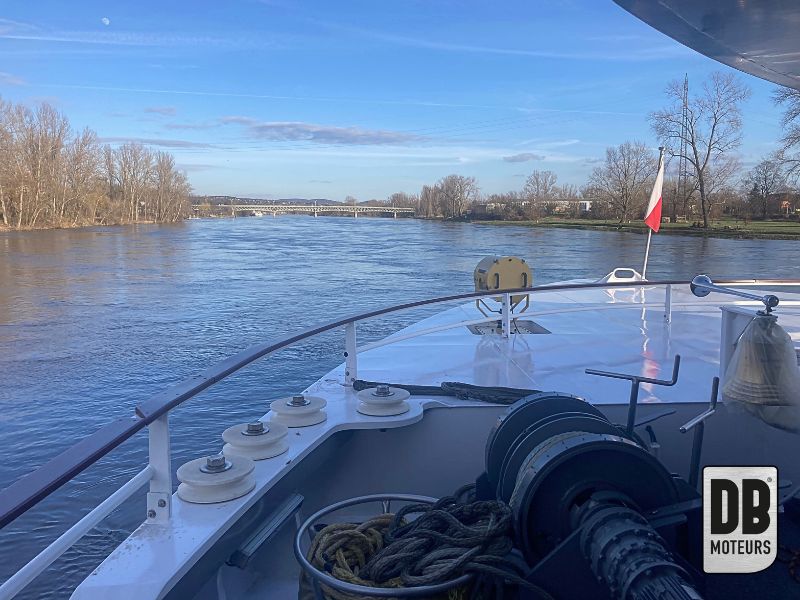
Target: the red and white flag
pixel 653 215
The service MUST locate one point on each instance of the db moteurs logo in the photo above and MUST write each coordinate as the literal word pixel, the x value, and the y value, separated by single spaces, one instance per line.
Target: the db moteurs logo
pixel 740 510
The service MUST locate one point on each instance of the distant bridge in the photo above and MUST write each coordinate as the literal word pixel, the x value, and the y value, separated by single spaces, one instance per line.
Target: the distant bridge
pixel 277 209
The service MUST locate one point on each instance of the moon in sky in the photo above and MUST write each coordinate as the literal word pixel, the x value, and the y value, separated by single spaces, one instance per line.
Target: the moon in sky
pixel 105 21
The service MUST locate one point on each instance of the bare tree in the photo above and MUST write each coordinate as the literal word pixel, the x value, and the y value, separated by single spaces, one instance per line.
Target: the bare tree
pixel 539 189
pixel 623 180
pixel 52 177
pixel 712 128
pixel 81 179
pixel 6 168
pixel 455 193
pixel 720 175
pixel 764 180
pixel 402 200
pixel 790 152
pixel 427 204
pixel 565 200
pixel 506 206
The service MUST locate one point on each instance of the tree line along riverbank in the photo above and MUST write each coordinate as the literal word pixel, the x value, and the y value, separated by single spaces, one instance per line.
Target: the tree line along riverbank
pixel 52 176
pixel 725 228
pixel 706 182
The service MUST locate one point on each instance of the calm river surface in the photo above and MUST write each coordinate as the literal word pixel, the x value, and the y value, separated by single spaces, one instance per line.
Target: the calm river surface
pixel 92 321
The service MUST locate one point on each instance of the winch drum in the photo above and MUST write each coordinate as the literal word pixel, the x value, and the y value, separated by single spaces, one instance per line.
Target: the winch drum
pixel 551 452
pixel 521 415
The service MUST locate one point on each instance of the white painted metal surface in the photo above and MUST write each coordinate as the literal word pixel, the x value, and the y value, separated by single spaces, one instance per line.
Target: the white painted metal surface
pixel 44 559
pixel 616 329
pixel 159 498
pixel 506 315
pixel 350 354
pixel 636 330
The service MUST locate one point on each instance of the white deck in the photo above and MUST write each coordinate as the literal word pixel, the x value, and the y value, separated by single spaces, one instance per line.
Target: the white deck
pixel 619 330
pixel 607 330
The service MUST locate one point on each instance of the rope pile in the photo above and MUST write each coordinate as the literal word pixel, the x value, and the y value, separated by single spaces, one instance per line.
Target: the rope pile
pixel 342 550
pixel 424 544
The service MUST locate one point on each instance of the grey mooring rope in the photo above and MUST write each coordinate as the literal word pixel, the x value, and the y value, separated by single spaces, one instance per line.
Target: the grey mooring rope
pixel 462 391
pixel 450 538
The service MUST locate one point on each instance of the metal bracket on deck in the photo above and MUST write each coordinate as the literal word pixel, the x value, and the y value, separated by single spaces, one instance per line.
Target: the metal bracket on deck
pixel 702 286
pixel 635 381
pixel 159 498
pixel 699 426
pixel 159 507
pixel 350 355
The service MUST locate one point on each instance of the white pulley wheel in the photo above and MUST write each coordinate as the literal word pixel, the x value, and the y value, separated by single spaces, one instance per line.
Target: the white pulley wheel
pixel 383 401
pixel 256 440
pixel 298 411
pixel 217 478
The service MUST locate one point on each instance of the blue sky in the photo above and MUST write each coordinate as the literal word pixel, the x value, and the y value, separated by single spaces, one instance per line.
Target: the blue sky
pixel 327 99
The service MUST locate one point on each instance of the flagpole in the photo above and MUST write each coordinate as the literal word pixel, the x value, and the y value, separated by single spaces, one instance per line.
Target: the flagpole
pixel 647 253
pixel 649 230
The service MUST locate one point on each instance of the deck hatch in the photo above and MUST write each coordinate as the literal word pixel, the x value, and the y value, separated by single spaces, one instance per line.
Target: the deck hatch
pixel 517 326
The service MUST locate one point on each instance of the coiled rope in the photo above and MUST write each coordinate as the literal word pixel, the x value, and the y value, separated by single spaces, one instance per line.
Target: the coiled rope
pixel 453 537
pixel 342 550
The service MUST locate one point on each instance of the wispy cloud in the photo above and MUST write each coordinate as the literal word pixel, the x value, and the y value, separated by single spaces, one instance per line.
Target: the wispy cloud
pixel 425 154
pixel 8 26
pixel 343 100
pixel 523 157
pixel 167 111
pixel 173 66
pixel 180 126
pixel 281 131
pixel 560 143
pixel 640 54
pixel 9 79
pixel 117 39
pixel 16 30
pixel 156 142
pixel 191 168
pixel 320 181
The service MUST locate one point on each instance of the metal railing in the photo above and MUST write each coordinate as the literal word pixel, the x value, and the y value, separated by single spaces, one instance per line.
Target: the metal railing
pixel 153 414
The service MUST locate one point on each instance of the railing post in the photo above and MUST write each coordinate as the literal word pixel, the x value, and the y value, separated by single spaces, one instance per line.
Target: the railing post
pixel 668 304
pixel 159 498
pixel 350 356
pixel 506 315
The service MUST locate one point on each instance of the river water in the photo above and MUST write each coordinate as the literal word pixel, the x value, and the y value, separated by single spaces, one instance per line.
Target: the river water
pixel 92 321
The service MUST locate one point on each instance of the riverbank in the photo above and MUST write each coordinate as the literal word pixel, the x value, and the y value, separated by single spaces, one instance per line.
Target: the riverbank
pixel 766 230
pixel 8 229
